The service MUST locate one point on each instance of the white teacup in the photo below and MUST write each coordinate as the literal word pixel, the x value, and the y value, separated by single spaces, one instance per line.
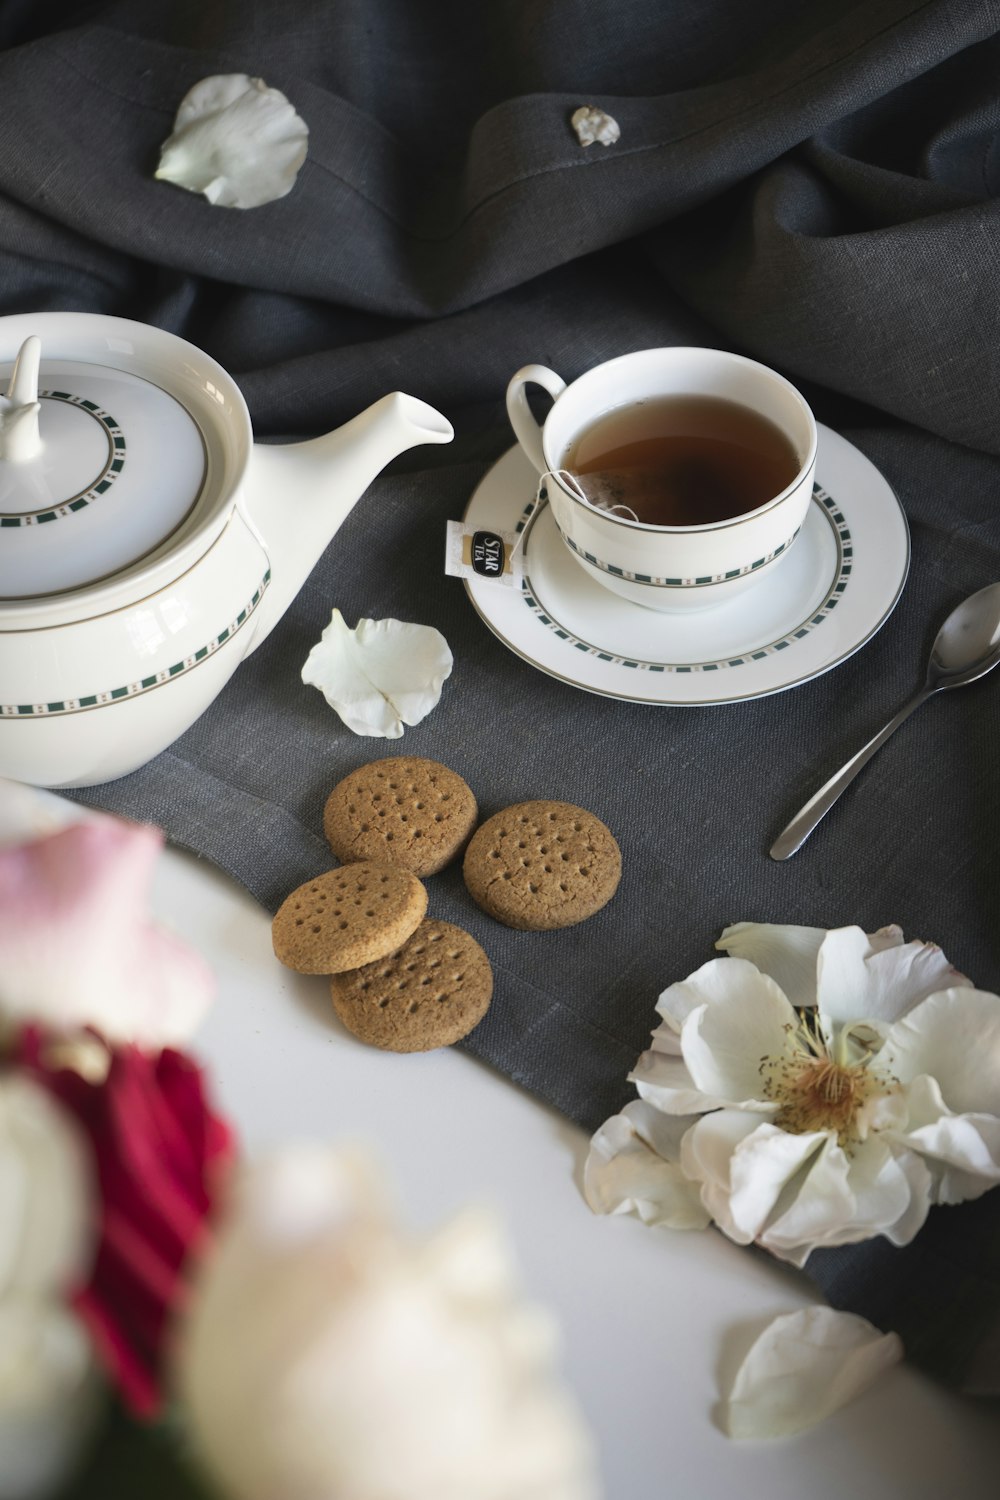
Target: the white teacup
pixel 671 568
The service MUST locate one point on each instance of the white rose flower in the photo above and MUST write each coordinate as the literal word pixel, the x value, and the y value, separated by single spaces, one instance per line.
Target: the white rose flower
pixel 325 1355
pixel 48 1381
pixel 815 1089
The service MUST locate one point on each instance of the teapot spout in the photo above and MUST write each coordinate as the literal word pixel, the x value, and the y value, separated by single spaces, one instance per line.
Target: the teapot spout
pixel 298 494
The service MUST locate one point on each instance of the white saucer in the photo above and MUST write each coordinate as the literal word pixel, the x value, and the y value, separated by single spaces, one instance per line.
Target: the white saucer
pixel 837 586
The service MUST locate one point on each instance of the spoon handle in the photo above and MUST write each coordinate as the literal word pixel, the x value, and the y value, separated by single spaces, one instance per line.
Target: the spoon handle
pixel 794 836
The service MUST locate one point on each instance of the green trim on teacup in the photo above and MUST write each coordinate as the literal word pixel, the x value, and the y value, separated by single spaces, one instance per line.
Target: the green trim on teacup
pixel 113 466
pixel 142 685
pixel 841 579
pixel 650 581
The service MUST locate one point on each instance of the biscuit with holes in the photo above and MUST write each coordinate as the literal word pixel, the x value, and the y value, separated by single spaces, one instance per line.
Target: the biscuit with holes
pixel 429 994
pixel 347 917
pixel 404 810
pixel 541 865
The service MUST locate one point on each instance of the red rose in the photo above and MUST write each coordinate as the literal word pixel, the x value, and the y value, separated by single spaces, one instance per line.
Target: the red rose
pixel 159 1154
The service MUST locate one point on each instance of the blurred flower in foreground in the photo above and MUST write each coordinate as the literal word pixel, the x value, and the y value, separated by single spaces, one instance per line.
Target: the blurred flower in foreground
pixel 327 1355
pixel 158 1154
pixel 48 1386
pixel 77 946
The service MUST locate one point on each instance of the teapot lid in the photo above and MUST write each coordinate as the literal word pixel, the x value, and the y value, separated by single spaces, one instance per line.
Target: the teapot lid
pixel 99 467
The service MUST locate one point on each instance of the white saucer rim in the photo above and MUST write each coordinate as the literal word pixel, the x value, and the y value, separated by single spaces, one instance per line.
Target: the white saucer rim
pixel 662 701
pixel 710 663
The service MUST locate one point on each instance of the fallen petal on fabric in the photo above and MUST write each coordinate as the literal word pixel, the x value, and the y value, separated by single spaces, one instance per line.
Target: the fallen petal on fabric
pixel 592 124
pixel 235 140
pixel 381 675
pixel 802 1368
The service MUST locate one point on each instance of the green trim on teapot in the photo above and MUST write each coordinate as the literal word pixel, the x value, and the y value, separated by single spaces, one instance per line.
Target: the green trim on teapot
pixel 113 466
pixel 841 580
pixel 141 685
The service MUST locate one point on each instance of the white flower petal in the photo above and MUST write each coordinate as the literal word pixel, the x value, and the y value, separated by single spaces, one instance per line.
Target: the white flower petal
pixel 963 1153
pixel 381 675
pixel 46 1226
pixel 859 982
pixel 708 1156
pixel 960 1152
pixel 665 1082
pixel 841 979
pixel 235 140
pixel 50 1396
pixel 667 1038
pixel 803 1367
pixel 922 1104
pixel 719 979
pixel 914 1169
pixel 766 1167
pixel 885 938
pixel 592 124
pixel 807 1212
pixel 902 977
pixel 891 1193
pixel 883 1191
pixel 746 1018
pixel 633 1168
pixel 954 1037
pixel 787 953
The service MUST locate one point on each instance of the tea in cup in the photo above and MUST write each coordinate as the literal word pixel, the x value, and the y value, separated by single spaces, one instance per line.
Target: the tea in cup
pixel 677 476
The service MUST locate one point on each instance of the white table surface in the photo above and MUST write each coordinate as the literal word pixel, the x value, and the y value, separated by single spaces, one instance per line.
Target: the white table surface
pixel 654 1321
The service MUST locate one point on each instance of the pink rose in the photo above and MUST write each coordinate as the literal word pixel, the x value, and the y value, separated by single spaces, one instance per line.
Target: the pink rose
pixel 77 946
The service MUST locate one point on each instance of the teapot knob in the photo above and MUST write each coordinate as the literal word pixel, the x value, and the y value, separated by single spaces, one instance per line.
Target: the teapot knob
pixel 19 436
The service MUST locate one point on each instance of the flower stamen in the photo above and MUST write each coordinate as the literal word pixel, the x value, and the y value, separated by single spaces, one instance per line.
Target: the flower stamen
pixel 816 1091
pixel 824 1096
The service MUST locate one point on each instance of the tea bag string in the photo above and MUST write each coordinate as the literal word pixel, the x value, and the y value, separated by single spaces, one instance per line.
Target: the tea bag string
pixel 541 498
pixel 570 482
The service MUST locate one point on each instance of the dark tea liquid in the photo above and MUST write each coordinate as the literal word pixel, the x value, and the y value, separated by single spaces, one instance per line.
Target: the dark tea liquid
pixel 682 460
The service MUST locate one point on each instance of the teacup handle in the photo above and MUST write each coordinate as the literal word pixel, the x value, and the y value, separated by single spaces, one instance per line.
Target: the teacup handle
pixel 526 429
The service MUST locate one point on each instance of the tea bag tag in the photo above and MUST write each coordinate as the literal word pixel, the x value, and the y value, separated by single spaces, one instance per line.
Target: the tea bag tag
pixel 476 552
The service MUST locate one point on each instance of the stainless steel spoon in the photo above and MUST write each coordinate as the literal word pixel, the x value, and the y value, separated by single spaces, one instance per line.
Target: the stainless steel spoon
pixel 967 647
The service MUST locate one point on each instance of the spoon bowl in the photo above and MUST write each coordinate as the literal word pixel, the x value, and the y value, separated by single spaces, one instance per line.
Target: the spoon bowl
pixel 965 648
pixel 968 644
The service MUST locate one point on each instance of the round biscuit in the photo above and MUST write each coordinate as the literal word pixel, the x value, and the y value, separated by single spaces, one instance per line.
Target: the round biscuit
pixel 431 993
pixel 347 917
pixel 542 865
pixel 404 810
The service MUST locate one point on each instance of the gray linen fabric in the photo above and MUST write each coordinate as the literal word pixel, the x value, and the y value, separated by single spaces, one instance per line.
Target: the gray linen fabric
pixel 813 185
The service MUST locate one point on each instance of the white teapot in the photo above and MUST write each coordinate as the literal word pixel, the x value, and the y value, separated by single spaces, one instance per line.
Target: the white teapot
pixel 146 544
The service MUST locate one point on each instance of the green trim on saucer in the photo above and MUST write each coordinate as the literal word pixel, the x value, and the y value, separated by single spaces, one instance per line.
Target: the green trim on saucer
pixel 113 466
pixel 841 580
pixel 141 685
